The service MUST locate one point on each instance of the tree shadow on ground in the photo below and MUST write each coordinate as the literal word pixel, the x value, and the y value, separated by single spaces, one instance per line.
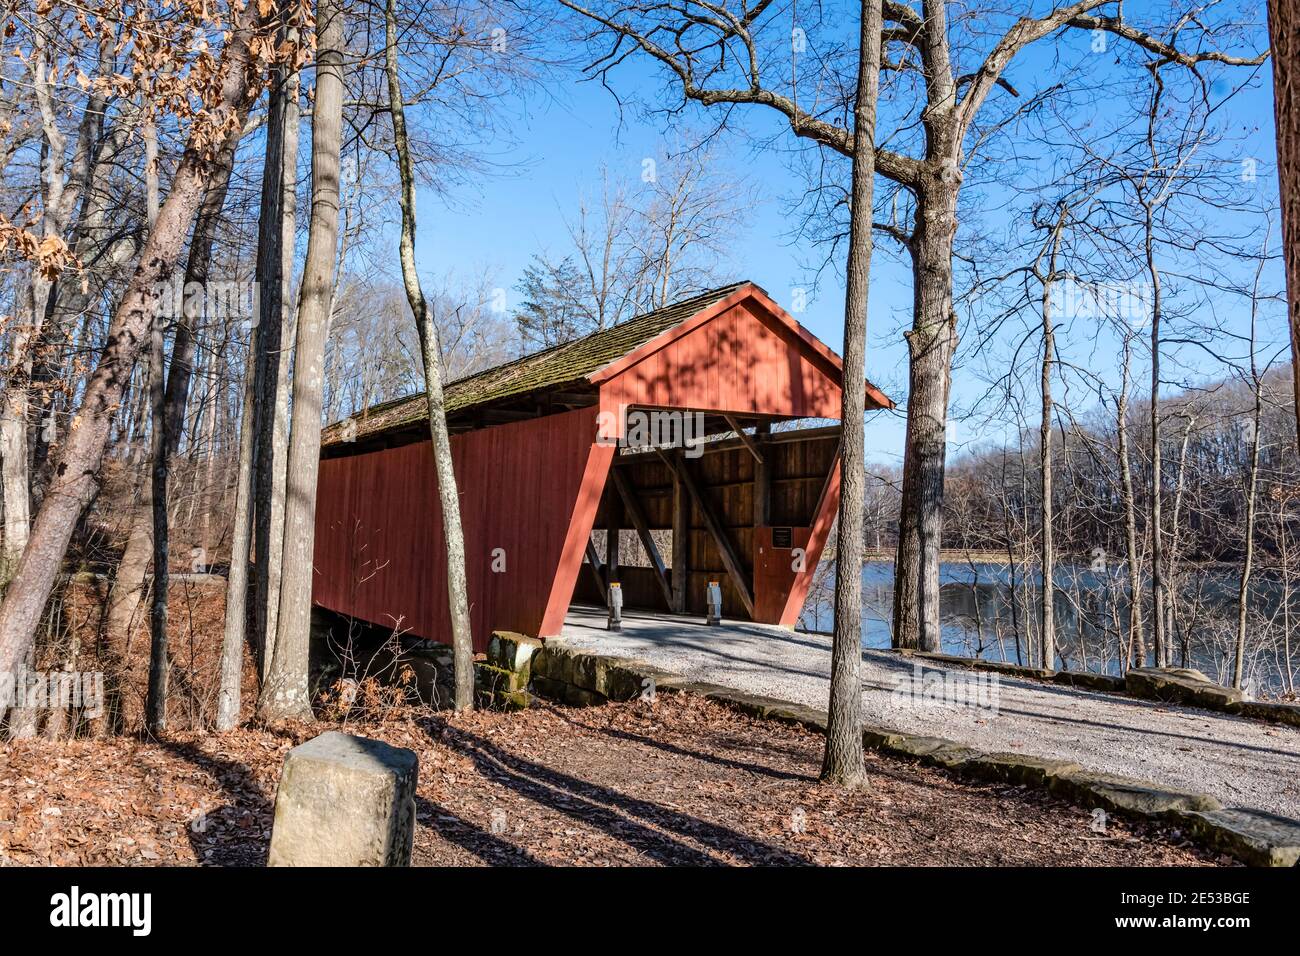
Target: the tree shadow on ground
pixel 231 834
pixel 628 819
pixel 488 847
pixel 696 754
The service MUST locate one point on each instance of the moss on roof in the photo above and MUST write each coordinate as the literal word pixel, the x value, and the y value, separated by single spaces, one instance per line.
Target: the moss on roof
pixel 548 369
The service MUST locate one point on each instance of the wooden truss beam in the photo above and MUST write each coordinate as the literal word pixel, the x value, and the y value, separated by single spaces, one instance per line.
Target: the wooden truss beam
pixel 741 434
pixel 597 571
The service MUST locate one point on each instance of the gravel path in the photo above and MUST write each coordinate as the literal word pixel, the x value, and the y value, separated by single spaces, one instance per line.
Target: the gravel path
pixel 1242 762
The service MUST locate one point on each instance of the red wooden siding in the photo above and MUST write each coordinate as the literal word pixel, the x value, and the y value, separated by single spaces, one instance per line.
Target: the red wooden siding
pixel 744 360
pixel 379 539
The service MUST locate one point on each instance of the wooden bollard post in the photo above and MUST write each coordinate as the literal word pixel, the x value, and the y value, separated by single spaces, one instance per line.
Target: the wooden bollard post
pixel 713 603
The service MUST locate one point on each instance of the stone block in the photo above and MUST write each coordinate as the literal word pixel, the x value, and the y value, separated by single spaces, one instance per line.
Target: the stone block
pixel 618 679
pixel 1126 794
pixel 1254 837
pixel 582 671
pixel 1277 713
pixel 880 738
pixel 1179 686
pixel 492 679
pixel 1021 769
pixel 345 801
pixel 1107 683
pixel 514 700
pixel 931 751
pixel 511 651
pixel 913 745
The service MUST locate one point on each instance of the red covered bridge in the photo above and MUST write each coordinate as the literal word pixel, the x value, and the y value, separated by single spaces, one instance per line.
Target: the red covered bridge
pixel 553 446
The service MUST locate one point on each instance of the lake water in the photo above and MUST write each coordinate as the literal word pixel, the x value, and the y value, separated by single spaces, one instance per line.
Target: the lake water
pixel 984 615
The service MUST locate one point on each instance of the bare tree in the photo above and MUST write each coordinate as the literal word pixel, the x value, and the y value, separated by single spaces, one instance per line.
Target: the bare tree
pixel 1047 594
pixel 1252 476
pixel 431 355
pixel 843 761
pixel 633 250
pixel 274 337
pixel 285 690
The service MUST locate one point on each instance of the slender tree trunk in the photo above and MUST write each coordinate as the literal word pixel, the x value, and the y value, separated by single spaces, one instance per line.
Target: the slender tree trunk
pixel 1047 597
pixel 156 698
pixel 169 403
pixel 275 333
pixel 234 638
pixel 76 470
pixel 96 241
pixel 448 498
pixel 1136 639
pixel 1247 563
pixel 207 505
pixel 14 464
pixel 843 761
pixel 1284 558
pixel 61 187
pixel 1171 586
pixel 1157 477
pixel 159 671
pixel 285 693
pixel 1252 483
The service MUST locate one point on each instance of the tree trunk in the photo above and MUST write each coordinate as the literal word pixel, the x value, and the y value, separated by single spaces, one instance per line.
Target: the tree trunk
pixel 275 243
pixel 1136 640
pixel 169 401
pixel 234 638
pixel 285 692
pixel 1247 563
pixel 61 187
pixel 1047 596
pixel 1171 586
pixel 159 671
pixel 1252 484
pixel 843 762
pixel 931 342
pixel 14 477
pixel 1157 460
pixel 1284 32
pixel 75 474
pixel 448 498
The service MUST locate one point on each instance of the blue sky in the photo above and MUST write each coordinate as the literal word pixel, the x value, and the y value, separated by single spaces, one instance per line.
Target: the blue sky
pixel 498 222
